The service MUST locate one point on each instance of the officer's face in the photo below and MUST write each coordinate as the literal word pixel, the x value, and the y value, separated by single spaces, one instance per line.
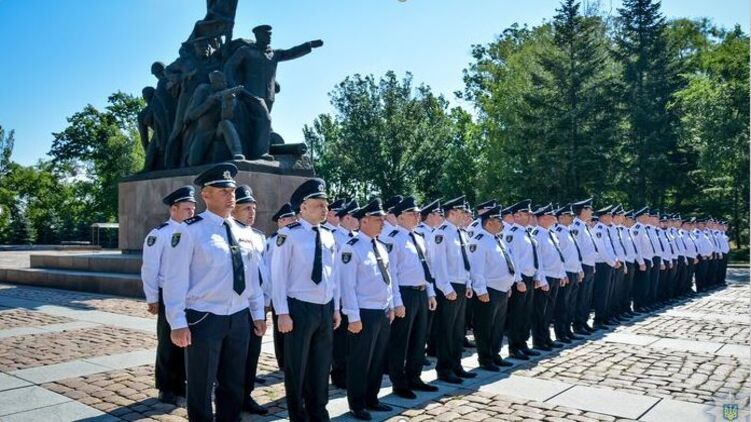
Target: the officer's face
pixel 182 211
pixel 521 218
pixel 350 223
pixel 220 201
pixel 566 219
pixel 618 219
pixel 314 210
pixel 434 219
pixel 409 219
pixel 586 214
pixel 285 221
pixel 493 225
pixel 332 218
pixel 245 213
pixel 606 219
pixel 372 225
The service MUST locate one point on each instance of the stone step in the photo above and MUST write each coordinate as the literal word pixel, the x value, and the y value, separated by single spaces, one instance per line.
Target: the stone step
pixel 101 262
pixel 85 281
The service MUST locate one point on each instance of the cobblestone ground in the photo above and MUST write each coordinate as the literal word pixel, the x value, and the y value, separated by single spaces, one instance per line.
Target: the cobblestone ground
pixel 656 364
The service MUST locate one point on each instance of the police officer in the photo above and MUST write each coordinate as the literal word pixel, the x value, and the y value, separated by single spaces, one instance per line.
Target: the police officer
pixel 692 253
pixel 283 217
pixel 565 304
pixel 607 263
pixel 524 254
pixel 552 267
pixel 169 370
pixel 619 274
pixel 414 297
pixel 493 273
pixel 432 218
pixel 590 253
pixel 668 255
pixel 244 214
pixel 332 217
pixel 213 287
pixel 390 224
pixel 367 300
pixel 448 251
pixel 645 253
pixel 481 209
pixel 303 283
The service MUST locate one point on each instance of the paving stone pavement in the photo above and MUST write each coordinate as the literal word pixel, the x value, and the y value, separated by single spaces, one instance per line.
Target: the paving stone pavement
pixel 68 356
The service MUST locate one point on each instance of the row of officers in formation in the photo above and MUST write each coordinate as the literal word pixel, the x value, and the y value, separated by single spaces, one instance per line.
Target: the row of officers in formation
pixel 356 292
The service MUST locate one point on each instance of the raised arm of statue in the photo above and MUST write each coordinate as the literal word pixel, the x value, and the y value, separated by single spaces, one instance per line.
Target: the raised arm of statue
pixel 296 52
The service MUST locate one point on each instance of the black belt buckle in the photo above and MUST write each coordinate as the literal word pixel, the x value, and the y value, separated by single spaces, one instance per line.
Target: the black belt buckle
pixel 418 288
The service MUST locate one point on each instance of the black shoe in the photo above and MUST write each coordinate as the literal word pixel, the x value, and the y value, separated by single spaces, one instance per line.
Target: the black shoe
pixel 563 339
pixel 250 406
pixel 405 393
pixel 260 380
pixel 468 343
pixel 361 414
pixel 573 337
pixel 168 397
pixel 541 347
pixel 426 362
pixel 601 326
pixel 461 373
pixel 502 363
pixel 490 367
pixel 380 407
pixel 529 352
pixel 419 385
pixel 451 379
pixel 518 355
pixel 582 332
pixel 588 328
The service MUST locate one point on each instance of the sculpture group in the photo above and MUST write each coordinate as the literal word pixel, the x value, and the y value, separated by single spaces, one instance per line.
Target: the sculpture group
pixel 213 103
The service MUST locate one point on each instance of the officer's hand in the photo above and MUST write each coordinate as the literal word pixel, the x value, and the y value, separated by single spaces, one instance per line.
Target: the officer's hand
pixel 337 319
pixel 642 267
pixel 670 265
pixel 564 280
pixel 468 294
pixel 510 292
pixel 400 311
pixel 153 308
pixel 580 278
pixel 521 287
pixel 625 270
pixel 316 43
pixel 545 287
pixel 662 266
pixel 696 260
pixel 484 298
pixel 617 264
pixel 390 315
pixel 354 327
pixel 181 337
pixel 285 323
pixel 432 304
pixel 259 327
pixel 451 296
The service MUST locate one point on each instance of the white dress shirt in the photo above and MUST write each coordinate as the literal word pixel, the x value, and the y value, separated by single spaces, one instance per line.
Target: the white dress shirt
pixel 446 255
pixel 645 248
pixel 199 272
pixel 488 266
pixel 629 244
pixel 292 267
pixel 362 282
pixel 256 240
pixel 618 243
pixel 406 266
pixel 154 257
pixel 605 244
pixel 585 240
pixel 523 250
pixel 550 253
pixel 571 251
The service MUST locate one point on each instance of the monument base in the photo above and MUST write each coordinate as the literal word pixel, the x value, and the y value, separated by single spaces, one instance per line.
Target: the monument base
pixel 140 206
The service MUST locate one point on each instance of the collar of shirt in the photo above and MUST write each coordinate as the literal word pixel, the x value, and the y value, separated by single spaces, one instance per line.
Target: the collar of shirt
pixel 306 225
pixel 213 218
pixel 450 225
pixel 364 237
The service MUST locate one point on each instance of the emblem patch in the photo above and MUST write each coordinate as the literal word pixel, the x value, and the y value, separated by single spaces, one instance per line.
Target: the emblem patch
pixel 280 239
pixel 175 239
pixel 438 239
pixel 346 257
pixel 599 234
pixel 151 240
pixel 575 232
pixel 472 248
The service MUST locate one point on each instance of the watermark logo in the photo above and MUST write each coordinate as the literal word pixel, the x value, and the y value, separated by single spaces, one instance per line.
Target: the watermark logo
pixel 730 408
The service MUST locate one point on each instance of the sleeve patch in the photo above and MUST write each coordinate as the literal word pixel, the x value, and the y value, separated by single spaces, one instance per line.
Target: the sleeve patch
pixel 175 239
pixel 346 257
pixel 472 248
pixel 151 240
pixel 438 239
pixel 280 239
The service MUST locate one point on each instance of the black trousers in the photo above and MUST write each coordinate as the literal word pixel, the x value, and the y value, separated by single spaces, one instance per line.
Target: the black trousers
pixel 688 277
pixel 251 362
pixel 676 287
pixel 307 360
pixel 544 307
pixel 724 268
pixel 278 341
pixel 616 290
pixel 490 320
pixel 654 280
pixel 563 314
pixel 601 291
pixel 641 284
pixel 367 351
pixel 219 346
pixel 584 297
pixel 406 351
pixel 169 370
pixel 449 345
pixel 519 319
pixel 339 361
pixel 432 331
pixel 712 272
pixel 627 294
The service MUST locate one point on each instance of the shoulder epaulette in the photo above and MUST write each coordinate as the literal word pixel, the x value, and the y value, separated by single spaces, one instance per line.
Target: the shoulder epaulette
pixel 273 235
pixel 393 233
pixel 535 231
pixel 443 227
pixel 421 234
pixel 479 236
pixel 193 219
pixel 559 228
pixel 578 223
pixel 513 229
pixel 352 241
pixel 322 226
pixel 161 226
pixel 294 225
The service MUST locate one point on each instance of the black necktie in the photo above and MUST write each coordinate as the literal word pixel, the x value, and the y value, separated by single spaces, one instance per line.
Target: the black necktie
pixel 238 268
pixel 586 229
pixel 317 274
pixel 662 247
pixel 421 255
pixel 509 264
pixel 654 251
pixel 534 249
pixel 612 245
pixel 620 238
pixel 464 249
pixel 552 239
pixel 381 265
pixel 578 251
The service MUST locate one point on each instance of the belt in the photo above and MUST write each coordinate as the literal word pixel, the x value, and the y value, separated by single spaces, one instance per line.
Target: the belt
pixel 417 288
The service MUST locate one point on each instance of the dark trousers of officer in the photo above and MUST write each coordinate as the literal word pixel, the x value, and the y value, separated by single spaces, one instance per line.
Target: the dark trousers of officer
pixel 519 318
pixel 654 280
pixel 251 362
pixel 616 290
pixel 601 293
pixel 584 297
pixel 406 351
pixel 490 319
pixel 564 306
pixel 432 332
pixel 676 289
pixel 688 276
pixel 544 307
pixel 724 266
pixel 278 341
pixel 219 346
pixel 664 282
pixel 339 361
pixel 307 360
pixel 641 285
pixel 169 370
pixel 366 352
pixel 451 314
pixel 711 277
pixel 628 287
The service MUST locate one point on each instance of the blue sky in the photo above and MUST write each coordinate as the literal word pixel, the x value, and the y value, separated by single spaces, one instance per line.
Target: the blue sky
pixel 60 55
